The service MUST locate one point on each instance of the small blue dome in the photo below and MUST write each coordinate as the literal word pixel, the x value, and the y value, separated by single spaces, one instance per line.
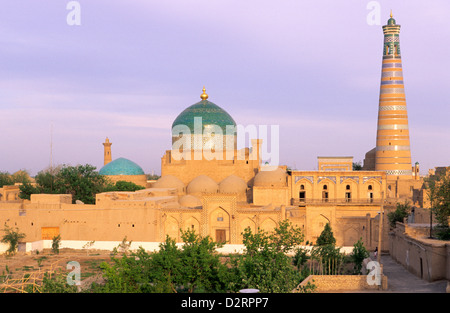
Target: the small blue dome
pixel 121 166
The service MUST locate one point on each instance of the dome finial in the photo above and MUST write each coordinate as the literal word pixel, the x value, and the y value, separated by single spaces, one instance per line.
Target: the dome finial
pixel 391 13
pixel 204 96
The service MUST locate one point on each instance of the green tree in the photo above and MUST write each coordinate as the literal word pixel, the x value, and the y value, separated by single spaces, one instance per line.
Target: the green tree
pixel 56 241
pixel 358 255
pixel 326 237
pixel 193 267
pixel 441 208
pixel 21 177
pixel 12 237
pixel 56 283
pixel 81 181
pixel 326 252
pixel 5 179
pixel 264 264
pixel 357 166
pixel 401 211
pixel 123 186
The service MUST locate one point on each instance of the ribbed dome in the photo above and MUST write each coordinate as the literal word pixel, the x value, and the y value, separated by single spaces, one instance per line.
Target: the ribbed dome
pixel 190 201
pixel 210 113
pixel 169 181
pixel 121 166
pixel 271 178
pixel 202 184
pixel 233 184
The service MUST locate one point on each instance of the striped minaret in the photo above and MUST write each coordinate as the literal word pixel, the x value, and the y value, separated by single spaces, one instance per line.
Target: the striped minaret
pixel 393 154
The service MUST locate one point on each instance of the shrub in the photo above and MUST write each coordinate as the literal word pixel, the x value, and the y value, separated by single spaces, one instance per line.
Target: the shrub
pixel 399 214
pixel 12 237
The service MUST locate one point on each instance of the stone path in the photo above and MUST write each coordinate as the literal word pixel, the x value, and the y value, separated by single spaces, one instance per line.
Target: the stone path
pixel 401 280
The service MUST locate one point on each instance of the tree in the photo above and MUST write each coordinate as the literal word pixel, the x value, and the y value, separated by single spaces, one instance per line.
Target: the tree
pixel 326 237
pixel 357 166
pixel 401 211
pixel 123 186
pixel 358 255
pixel 12 237
pixel 56 240
pixel 264 264
pixel 439 191
pixel 326 252
pixel 5 179
pixel 194 267
pixel 81 181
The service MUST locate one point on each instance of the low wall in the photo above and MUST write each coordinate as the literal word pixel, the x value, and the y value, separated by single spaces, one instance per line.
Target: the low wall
pixel 429 259
pixel 336 283
pixel 110 245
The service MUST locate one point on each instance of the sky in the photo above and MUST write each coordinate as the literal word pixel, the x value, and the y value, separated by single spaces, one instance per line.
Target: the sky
pixel 70 76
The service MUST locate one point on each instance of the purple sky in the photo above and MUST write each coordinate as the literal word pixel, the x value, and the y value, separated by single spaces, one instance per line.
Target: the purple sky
pixel 311 67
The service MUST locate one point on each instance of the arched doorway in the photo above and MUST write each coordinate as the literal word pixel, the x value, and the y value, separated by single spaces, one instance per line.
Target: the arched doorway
pixel 220 225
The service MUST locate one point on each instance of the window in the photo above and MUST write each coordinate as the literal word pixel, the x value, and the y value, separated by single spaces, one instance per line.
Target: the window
pixel 370 187
pixel 302 187
pixel 347 187
pixel 348 196
pixel 302 196
pixel 325 196
pixel 325 187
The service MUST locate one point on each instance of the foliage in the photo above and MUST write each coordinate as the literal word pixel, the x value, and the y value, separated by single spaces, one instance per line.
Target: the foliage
pixel 442 206
pixel 326 237
pixel 81 181
pixel 196 266
pixel 55 244
pixel 358 255
pixel 264 264
pixel 300 257
pixel 357 166
pixel 442 232
pixel 123 186
pixel 192 268
pixel 438 192
pixel 57 283
pixel 26 190
pixel 7 179
pixel 401 211
pixel 153 177
pixel 326 252
pixel 12 237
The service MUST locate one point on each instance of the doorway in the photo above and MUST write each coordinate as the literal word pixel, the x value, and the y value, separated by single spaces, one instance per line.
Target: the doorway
pixel 221 235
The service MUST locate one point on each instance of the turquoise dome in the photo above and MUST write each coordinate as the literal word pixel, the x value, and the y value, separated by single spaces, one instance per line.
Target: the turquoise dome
pixel 210 113
pixel 121 166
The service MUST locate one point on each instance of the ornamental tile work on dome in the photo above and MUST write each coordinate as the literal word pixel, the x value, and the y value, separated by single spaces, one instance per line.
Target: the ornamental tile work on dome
pixel 210 113
pixel 121 166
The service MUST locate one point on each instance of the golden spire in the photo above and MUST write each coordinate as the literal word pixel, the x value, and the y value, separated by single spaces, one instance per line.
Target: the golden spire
pixel 391 13
pixel 204 96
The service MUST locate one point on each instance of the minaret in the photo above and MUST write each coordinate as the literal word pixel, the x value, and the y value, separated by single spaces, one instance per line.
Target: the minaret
pixel 107 154
pixel 393 154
